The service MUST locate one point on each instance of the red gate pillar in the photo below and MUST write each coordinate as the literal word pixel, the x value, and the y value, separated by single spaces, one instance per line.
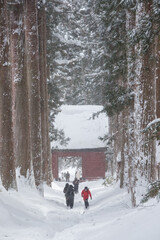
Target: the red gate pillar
pixel 93 165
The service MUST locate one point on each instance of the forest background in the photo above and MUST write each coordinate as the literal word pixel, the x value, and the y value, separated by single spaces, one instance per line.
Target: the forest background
pixel 80 52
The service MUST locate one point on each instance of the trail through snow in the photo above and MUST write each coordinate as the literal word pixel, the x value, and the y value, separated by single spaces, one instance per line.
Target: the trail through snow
pixel 25 215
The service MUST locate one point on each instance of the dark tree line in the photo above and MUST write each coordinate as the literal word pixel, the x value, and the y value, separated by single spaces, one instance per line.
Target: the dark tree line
pixel 24 127
pixel 132 93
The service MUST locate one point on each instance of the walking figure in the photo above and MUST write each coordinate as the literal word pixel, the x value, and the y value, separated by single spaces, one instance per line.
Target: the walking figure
pixel 65 190
pixel 86 194
pixel 77 175
pixel 76 184
pixel 70 196
pixel 67 176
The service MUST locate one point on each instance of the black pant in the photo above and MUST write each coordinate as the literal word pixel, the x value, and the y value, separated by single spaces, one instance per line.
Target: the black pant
pixel 86 203
pixel 67 202
pixel 70 202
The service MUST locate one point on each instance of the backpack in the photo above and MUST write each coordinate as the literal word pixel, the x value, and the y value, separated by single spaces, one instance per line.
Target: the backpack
pixel 71 191
pixel 66 188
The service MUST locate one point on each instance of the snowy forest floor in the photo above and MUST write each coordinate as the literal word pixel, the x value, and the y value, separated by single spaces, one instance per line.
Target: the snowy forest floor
pixel 25 215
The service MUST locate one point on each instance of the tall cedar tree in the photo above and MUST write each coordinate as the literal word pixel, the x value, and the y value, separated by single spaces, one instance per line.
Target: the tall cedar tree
pixel 46 155
pixel 131 91
pixel 33 79
pixel 7 159
pixel 20 89
pixel 24 130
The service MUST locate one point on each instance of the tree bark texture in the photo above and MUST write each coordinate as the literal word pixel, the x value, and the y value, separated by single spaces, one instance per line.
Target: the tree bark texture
pixel 46 157
pixel 7 158
pixel 130 120
pixel 24 130
pixel 20 89
pixel 148 102
pixel 33 79
pixel 157 74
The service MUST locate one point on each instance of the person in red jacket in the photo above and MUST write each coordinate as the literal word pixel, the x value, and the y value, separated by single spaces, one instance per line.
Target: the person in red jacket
pixel 86 194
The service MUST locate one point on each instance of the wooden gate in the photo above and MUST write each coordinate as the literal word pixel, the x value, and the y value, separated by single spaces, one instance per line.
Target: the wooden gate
pixel 93 161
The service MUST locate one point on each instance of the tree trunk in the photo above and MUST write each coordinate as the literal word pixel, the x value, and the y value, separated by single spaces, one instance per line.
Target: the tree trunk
pixel 33 79
pixel 148 103
pixel 157 86
pixel 123 148
pixel 20 89
pixel 130 153
pixel 46 158
pixel 157 75
pixel 7 158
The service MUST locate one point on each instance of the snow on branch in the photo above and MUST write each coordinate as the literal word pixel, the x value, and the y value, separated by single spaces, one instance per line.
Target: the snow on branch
pixel 153 123
pixel 154 129
pixel 72 42
pixel 66 61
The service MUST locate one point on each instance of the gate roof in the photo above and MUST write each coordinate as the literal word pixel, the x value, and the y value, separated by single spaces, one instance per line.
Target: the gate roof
pixel 78 124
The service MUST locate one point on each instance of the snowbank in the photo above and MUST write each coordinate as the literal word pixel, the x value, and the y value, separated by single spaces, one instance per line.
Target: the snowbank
pixel 25 215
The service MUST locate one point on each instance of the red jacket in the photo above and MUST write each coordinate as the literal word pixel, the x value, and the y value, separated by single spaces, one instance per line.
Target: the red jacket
pixel 86 194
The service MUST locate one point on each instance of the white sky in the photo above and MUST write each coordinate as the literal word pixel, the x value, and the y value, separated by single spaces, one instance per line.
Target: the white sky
pixel 25 215
pixel 78 125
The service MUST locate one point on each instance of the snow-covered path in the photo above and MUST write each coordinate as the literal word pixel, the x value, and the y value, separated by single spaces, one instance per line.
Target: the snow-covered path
pixel 109 216
pixel 105 209
pixel 25 215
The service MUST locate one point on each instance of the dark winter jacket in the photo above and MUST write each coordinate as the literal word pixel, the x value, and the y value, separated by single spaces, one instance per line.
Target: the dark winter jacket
pixel 76 184
pixel 70 192
pixel 65 190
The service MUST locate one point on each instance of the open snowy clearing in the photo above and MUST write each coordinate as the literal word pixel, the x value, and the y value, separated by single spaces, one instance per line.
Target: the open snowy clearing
pixel 25 215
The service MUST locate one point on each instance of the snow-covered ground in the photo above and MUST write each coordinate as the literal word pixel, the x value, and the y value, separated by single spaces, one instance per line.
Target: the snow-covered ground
pixel 25 215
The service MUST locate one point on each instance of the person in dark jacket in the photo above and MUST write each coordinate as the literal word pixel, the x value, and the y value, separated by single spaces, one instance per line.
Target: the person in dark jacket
pixel 70 196
pixel 86 194
pixel 65 190
pixel 67 176
pixel 76 184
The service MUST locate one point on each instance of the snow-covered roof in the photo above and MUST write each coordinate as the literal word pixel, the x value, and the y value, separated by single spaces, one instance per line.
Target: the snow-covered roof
pixel 80 127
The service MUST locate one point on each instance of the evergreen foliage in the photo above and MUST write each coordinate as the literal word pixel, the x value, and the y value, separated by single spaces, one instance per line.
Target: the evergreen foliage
pixel 131 92
pixel 75 51
pixel 116 94
pixel 109 180
pixel 148 28
pixel 152 192
pixel 153 128
pixel 54 88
